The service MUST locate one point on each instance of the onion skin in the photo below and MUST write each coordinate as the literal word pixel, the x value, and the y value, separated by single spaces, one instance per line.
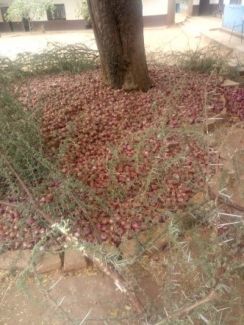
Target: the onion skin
pixel 98 120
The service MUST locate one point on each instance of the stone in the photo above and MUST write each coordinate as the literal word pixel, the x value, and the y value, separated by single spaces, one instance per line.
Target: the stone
pixel 15 260
pixel 74 260
pixel 230 83
pixel 48 262
pixel 198 199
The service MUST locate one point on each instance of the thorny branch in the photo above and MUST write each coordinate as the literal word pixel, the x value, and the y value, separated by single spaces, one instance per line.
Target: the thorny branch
pixel 107 268
pixel 184 311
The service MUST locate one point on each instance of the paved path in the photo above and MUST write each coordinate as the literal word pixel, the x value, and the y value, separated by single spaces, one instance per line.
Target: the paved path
pixel 225 38
pixel 180 37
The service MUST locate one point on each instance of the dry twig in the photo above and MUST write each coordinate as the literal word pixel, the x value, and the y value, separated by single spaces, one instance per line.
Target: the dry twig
pixel 107 268
pixel 186 310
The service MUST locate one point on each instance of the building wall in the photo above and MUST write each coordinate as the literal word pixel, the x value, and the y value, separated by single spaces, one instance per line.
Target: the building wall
pixel 181 6
pixel 155 14
pixel 155 7
pixel 233 16
pixel 150 8
pixel 210 8
pixel 71 10
pixel 227 2
pixel 197 2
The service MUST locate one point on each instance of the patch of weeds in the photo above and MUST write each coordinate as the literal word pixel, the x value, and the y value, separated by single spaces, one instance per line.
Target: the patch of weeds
pixel 20 141
pixel 195 261
pixel 57 58
pixel 200 261
pixel 209 59
pixel 204 61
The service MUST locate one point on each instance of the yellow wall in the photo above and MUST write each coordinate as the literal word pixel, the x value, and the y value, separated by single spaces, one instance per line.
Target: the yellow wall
pixel 155 7
pixel 150 8
pixel 71 8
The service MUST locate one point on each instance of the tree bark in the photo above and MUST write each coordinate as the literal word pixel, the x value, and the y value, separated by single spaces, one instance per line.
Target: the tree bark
pixel 190 8
pixel 118 29
pixel 171 12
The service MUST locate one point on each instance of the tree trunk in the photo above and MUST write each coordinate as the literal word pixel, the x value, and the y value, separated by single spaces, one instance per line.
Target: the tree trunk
pixel 118 28
pixel 190 8
pixel 171 12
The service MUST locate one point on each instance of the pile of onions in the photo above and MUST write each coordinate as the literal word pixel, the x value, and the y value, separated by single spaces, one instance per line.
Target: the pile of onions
pixel 114 142
pixel 235 101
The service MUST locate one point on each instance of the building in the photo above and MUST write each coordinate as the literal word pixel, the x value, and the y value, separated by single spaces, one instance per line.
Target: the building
pixel 66 16
pixel 232 12
pixel 181 6
pixel 233 18
pixel 203 7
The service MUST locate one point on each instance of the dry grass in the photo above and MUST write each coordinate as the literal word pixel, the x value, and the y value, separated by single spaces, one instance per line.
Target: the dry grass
pixel 197 261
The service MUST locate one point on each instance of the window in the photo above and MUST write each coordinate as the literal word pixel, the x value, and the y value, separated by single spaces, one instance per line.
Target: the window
pixel 235 2
pixel 3 12
pixel 57 14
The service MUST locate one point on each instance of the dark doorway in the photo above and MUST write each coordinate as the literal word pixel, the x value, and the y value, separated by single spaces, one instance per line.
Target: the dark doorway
pixel 204 7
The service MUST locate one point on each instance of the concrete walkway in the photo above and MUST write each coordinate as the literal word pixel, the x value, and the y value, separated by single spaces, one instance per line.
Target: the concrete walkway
pixel 226 39
pixel 183 36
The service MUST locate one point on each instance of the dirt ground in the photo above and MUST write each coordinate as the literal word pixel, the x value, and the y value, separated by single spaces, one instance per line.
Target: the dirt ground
pixel 85 297
pixel 60 299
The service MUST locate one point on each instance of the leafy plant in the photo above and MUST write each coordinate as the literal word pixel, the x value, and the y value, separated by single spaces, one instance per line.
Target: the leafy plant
pixel 28 9
pixel 83 11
